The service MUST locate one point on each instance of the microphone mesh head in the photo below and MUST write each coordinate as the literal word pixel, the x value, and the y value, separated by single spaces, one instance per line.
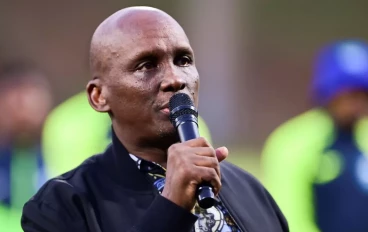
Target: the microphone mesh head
pixel 186 104
pixel 180 99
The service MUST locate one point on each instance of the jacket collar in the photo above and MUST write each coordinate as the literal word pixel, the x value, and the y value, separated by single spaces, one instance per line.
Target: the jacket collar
pixel 122 169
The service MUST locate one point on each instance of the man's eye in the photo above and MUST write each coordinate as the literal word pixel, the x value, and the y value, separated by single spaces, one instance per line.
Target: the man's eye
pixel 184 61
pixel 146 66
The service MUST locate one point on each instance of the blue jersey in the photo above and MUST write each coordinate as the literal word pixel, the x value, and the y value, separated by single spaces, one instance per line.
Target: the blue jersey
pixel 22 173
pixel 317 174
pixel 341 203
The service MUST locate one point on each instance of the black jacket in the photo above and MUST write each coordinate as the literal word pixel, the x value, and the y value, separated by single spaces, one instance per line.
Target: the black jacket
pixel 108 193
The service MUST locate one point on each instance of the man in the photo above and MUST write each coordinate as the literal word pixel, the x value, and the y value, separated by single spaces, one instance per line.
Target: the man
pixel 74 132
pixel 25 100
pixel 140 57
pixel 316 164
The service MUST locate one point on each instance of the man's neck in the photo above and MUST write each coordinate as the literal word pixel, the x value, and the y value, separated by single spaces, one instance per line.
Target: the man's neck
pixel 153 155
pixel 143 149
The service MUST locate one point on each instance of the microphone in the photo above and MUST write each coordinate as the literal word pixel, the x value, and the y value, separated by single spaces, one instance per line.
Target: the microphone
pixel 184 117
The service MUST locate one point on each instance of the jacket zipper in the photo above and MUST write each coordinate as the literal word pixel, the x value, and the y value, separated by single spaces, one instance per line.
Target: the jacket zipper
pixel 232 217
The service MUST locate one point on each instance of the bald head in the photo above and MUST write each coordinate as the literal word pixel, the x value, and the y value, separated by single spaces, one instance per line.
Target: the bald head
pixel 128 23
pixel 140 57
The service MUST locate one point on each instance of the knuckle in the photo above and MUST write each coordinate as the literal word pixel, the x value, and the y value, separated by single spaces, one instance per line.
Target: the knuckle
pixel 183 173
pixel 217 181
pixel 170 151
pixel 219 187
pixel 174 149
pixel 214 162
pixel 190 169
pixel 213 152
pixel 219 184
pixel 204 141
pixel 192 173
pixel 185 170
pixel 213 173
pixel 206 175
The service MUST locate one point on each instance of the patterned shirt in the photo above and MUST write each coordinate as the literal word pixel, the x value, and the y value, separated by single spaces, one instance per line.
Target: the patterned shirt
pixel 214 219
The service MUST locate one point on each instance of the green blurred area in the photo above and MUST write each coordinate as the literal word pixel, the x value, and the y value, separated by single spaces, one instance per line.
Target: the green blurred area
pixel 248 160
pixel 10 220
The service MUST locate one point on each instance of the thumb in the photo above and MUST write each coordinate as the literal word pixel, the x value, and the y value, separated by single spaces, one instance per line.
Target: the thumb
pixel 222 153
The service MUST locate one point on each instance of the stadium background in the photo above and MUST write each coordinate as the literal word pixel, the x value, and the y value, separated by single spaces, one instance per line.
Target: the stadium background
pixel 254 57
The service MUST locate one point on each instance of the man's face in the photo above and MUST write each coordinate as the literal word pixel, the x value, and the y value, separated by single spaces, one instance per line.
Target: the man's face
pixel 149 62
pixel 27 105
pixel 349 106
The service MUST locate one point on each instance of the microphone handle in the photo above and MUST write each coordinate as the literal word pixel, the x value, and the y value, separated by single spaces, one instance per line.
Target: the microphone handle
pixel 188 129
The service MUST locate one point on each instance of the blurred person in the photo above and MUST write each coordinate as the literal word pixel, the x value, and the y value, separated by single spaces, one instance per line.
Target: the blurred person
pixel 147 181
pixel 25 100
pixel 73 131
pixel 315 165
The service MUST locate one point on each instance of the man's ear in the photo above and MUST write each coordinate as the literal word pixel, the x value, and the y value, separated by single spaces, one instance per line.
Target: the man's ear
pixel 96 97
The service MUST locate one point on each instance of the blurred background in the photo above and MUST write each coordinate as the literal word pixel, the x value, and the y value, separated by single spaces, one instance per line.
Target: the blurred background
pixel 255 58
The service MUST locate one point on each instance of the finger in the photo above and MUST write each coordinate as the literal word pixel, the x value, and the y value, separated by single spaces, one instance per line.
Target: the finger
pixel 204 151
pixel 221 153
pixel 205 161
pixel 209 175
pixel 209 162
pixel 198 142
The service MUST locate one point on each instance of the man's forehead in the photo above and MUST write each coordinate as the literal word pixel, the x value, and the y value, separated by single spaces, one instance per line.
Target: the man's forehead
pixel 154 45
pixel 150 33
pixel 149 24
pixel 143 20
pixel 135 30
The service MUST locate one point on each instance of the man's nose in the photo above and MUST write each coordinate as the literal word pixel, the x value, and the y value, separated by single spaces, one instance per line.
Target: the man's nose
pixel 172 82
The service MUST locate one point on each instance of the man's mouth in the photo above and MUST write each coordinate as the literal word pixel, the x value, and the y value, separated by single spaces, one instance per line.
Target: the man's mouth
pixel 165 110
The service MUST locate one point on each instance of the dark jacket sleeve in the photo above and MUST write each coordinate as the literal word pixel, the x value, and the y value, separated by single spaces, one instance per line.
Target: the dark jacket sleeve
pixel 164 215
pixel 61 210
pixel 42 217
pixel 251 205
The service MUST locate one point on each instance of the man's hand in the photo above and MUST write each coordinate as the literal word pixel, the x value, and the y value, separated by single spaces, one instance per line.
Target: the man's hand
pixel 188 165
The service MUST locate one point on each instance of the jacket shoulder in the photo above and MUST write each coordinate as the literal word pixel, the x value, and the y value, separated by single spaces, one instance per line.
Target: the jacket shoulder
pixel 247 196
pixel 66 185
pixel 233 172
pixel 60 202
